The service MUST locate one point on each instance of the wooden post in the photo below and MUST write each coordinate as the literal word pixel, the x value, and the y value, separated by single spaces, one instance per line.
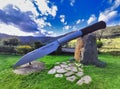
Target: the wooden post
pixel 78 49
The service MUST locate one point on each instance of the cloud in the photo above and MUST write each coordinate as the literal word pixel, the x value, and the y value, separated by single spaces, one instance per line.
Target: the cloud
pixel 107 15
pixel 67 27
pixel 62 19
pixel 15 22
pixel 42 23
pixel 44 8
pixel 12 30
pixel 23 5
pixel 72 2
pixel 28 5
pixel 79 21
pixel 14 16
pixel 48 33
pixel 91 19
pixel 110 13
pixel 115 5
pixel 22 16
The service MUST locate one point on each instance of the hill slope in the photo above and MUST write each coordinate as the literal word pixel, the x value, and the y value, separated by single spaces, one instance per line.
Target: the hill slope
pixel 111 32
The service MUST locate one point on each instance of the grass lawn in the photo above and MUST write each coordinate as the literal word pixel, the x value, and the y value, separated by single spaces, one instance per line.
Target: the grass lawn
pixel 103 78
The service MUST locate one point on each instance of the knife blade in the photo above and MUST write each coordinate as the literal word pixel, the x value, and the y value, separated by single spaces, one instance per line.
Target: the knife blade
pixel 51 47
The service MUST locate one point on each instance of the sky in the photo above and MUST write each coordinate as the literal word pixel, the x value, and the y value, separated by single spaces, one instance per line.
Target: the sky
pixel 55 17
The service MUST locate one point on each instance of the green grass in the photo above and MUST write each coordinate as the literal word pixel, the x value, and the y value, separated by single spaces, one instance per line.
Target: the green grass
pixel 102 78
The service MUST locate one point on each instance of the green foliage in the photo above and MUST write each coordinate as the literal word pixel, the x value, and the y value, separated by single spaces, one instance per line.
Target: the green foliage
pixel 59 50
pixel 37 44
pixel 102 78
pixel 99 44
pixel 23 49
pixel 11 42
pixel 7 49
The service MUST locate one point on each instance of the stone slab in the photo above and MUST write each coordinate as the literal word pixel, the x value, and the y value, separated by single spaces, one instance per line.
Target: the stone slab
pixel 79 74
pixel 69 73
pixel 28 69
pixel 58 75
pixel 71 78
pixel 85 79
pixel 61 71
pixel 52 71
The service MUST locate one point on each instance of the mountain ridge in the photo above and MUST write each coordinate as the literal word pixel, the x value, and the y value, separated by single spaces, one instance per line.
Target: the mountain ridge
pixel 113 31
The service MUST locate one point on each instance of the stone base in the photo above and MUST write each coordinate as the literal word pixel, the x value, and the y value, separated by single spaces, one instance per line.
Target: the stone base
pixel 28 69
pixel 71 71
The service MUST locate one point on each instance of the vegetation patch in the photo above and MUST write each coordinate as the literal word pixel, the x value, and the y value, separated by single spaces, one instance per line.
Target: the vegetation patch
pixel 103 78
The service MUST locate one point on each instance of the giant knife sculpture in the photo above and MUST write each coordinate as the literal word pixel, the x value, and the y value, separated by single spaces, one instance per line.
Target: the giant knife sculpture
pixel 51 47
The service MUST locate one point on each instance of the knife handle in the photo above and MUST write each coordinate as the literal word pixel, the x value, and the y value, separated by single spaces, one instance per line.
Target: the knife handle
pixel 82 32
pixel 94 27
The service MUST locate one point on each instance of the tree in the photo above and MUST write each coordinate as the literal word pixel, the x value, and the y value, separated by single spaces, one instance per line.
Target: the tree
pixel 99 34
pixel 5 42
pixel 37 44
pixel 11 42
pixel 23 49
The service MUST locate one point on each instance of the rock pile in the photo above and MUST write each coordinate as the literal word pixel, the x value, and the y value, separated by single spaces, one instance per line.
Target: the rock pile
pixel 71 71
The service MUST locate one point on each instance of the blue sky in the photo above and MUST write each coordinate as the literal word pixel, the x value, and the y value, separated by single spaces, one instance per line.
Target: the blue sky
pixel 55 17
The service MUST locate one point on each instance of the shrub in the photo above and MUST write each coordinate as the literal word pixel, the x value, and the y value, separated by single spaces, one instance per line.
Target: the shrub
pixel 23 49
pixel 11 42
pixel 99 44
pixel 38 44
pixel 59 50
pixel 7 49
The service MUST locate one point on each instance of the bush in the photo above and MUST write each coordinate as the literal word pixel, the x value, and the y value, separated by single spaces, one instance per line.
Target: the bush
pixel 23 49
pixel 38 44
pixel 7 49
pixel 99 44
pixel 11 42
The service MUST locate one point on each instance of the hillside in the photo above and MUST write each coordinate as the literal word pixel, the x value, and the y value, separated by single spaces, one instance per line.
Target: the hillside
pixel 110 32
pixel 28 39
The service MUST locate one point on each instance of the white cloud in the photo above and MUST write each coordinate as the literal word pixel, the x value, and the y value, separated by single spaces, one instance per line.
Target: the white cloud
pixel 62 19
pixel 78 21
pixel 12 30
pixel 115 5
pixel 45 9
pixel 72 2
pixel 91 19
pixel 41 23
pixel 107 15
pixel 48 33
pixel 23 5
pixel 110 13
pixel 66 27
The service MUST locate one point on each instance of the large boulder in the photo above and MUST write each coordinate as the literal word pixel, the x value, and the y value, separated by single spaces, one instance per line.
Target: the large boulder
pixel 90 53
